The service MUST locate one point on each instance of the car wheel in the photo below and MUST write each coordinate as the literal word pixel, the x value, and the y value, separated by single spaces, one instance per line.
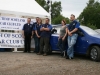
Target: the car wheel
pixel 50 50
pixel 95 53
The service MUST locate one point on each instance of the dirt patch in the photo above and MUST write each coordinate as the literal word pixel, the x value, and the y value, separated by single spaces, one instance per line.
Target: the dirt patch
pixel 32 64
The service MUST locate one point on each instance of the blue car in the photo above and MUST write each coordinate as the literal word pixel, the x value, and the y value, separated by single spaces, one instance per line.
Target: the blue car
pixel 88 42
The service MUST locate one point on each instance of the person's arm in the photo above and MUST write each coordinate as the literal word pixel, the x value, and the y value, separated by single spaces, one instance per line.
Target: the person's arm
pixel 32 33
pixel 37 34
pixel 41 28
pixel 68 31
pixel 49 28
pixel 46 29
pixel 33 30
pixel 65 34
pixel 76 28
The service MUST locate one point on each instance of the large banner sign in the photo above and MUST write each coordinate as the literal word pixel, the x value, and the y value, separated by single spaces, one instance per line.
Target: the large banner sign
pixel 12 23
pixel 12 40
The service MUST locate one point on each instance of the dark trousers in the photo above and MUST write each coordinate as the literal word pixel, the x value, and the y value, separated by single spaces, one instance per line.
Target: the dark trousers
pixel 37 44
pixel 27 43
pixel 62 45
pixel 44 44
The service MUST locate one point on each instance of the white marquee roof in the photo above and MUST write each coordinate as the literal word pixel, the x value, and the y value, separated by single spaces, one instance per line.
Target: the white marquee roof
pixel 23 8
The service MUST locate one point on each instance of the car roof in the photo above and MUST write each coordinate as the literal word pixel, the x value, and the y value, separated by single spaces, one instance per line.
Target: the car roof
pixel 97 30
pixel 59 25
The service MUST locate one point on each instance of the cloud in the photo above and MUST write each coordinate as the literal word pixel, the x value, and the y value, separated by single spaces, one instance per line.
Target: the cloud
pixel 72 6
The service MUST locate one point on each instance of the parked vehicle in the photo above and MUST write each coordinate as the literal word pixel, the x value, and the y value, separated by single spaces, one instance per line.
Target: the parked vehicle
pixel 97 30
pixel 88 42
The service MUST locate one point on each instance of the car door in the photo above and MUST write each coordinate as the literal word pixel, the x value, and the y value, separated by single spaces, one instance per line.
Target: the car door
pixel 54 39
pixel 81 43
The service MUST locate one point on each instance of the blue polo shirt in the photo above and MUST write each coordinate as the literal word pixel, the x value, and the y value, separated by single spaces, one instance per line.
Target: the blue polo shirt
pixel 46 33
pixel 74 24
pixel 34 24
pixel 27 29
pixel 37 28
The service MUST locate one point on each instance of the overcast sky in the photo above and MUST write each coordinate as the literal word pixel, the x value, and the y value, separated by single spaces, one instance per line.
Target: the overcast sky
pixel 72 7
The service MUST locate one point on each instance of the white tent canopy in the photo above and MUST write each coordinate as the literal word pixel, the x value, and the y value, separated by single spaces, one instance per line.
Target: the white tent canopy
pixel 23 8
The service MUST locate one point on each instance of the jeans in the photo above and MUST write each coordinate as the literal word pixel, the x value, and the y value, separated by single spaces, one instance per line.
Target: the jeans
pixel 61 45
pixel 71 42
pixel 37 44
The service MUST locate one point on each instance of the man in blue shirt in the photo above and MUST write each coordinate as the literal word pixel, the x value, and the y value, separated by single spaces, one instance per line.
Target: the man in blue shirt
pixel 72 36
pixel 34 35
pixel 45 37
pixel 27 34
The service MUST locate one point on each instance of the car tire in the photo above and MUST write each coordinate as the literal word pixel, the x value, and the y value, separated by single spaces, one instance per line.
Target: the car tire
pixel 50 50
pixel 95 53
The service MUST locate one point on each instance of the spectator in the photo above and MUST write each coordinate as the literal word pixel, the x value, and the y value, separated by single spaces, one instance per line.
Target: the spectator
pixel 34 36
pixel 72 36
pixel 37 36
pixel 45 37
pixel 27 34
pixel 62 37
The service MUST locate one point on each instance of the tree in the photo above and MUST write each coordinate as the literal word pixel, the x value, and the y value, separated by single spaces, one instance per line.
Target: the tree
pixel 59 18
pixel 91 14
pixel 56 10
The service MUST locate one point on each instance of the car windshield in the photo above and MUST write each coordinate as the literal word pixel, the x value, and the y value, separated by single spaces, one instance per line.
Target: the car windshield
pixel 89 30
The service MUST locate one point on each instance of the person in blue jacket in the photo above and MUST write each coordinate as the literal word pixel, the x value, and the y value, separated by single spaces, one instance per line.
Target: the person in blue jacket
pixel 34 34
pixel 37 36
pixel 72 36
pixel 27 35
pixel 45 37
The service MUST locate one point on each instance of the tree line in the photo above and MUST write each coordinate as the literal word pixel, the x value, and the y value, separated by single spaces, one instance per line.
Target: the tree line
pixel 56 10
pixel 90 16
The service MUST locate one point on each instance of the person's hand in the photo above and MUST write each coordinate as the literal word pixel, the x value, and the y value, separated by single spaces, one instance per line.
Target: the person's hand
pixel 63 38
pixel 42 28
pixel 69 33
pixel 38 36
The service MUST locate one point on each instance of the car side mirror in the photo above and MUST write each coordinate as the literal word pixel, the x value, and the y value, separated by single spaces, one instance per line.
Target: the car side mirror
pixel 53 31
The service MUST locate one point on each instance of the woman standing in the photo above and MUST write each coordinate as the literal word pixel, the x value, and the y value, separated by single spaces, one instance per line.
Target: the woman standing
pixel 62 37
pixel 37 37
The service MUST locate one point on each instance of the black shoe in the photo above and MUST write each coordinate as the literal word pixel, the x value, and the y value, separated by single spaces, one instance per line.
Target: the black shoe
pixel 39 53
pixel 34 51
pixel 25 52
pixel 67 57
pixel 62 54
pixel 29 52
pixel 45 54
pixel 71 58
